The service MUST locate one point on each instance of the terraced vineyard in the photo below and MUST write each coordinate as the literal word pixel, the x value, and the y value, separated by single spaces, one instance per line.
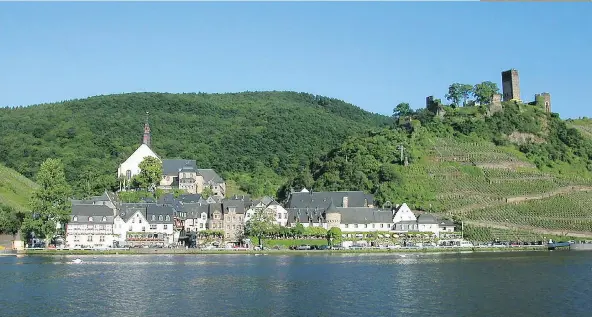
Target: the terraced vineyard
pixel 502 194
pixel 572 212
pixel 15 189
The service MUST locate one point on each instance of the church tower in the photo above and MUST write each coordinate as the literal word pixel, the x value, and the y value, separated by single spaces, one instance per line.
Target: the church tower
pixel 146 138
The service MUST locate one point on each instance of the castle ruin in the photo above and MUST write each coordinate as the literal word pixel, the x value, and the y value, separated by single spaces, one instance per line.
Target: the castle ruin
pixel 511 85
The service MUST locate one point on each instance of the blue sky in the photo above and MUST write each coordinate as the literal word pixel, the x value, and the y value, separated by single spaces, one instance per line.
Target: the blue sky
pixel 373 55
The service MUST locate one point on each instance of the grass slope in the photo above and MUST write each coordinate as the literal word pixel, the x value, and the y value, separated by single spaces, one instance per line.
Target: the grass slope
pixel 15 189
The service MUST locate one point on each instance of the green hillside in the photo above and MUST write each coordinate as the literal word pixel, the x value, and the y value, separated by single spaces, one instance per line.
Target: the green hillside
pixel 255 139
pixel 517 173
pixel 15 189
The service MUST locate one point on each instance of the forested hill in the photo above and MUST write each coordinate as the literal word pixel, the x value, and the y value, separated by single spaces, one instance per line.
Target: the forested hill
pixel 257 139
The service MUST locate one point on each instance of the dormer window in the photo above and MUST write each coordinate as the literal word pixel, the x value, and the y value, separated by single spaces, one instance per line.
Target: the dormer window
pixel 74 218
pixel 90 219
pixel 104 219
pixel 168 218
pixel 160 218
pixel 153 217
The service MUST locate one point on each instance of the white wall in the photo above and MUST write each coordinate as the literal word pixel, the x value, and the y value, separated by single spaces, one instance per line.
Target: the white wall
pixel 133 162
pixel 77 235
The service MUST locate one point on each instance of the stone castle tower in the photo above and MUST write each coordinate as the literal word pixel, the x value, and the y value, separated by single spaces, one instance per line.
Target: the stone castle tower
pixel 545 99
pixel 511 85
pixel 146 138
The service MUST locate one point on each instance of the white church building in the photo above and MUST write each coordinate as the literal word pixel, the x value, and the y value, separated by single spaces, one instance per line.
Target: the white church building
pixel 177 173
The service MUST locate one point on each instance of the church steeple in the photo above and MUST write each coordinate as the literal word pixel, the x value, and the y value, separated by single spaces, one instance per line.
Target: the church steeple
pixel 146 138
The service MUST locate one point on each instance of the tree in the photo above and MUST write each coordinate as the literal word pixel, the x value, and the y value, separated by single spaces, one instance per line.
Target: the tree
pixel 150 173
pixel 207 192
pixel 333 236
pixel 261 224
pixel 298 230
pixel 401 110
pixel 50 204
pixel 459 92
pixel 10 220
pixel 484 92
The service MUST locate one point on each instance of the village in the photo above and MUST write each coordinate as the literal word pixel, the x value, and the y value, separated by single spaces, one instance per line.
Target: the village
pixel 193 220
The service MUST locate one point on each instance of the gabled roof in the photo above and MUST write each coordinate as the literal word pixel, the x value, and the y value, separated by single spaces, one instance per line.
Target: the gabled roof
pixel 210 176
pixel 82 213
pixel 426 219
pixel 157 211
pixel 238 205
pixel 189 198
pixel 323 199
pixel 171 167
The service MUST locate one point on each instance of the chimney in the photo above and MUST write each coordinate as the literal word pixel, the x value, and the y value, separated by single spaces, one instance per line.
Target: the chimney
pixel 345 202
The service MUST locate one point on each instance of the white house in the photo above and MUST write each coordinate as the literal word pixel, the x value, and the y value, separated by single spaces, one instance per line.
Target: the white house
pixel 270 206
pixel 145 224
pixel 90 226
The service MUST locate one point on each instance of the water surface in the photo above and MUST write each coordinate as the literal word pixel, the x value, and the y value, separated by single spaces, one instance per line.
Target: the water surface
pixel 469 284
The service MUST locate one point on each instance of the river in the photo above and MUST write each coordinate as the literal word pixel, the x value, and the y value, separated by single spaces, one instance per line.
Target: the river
pixel 537 284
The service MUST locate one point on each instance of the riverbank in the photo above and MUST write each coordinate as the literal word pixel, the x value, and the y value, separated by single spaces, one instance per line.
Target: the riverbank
pixel 279 252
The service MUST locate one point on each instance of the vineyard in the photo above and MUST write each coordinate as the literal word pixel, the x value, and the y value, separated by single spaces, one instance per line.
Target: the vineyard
pixel 563 212
pixel 15 189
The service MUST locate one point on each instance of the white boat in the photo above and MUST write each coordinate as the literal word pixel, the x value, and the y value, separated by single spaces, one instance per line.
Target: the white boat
pixel 77 261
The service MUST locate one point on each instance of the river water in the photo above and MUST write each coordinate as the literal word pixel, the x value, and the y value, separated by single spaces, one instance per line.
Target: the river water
pixel 537 284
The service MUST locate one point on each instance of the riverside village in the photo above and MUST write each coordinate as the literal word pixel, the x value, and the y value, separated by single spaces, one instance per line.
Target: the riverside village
pixel 194 211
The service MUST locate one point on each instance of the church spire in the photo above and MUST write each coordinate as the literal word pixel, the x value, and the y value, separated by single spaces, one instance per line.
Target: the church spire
pixel 146 138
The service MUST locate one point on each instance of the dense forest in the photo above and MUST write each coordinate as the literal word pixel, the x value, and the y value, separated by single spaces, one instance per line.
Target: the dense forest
pixel 257 140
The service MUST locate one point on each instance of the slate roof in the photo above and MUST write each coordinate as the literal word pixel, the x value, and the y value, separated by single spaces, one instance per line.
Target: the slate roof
pixel 365 215
pixel 323 199
pixel 159 210
pixel 446 223
pixel 210 176
pixel 189 198
pixel 83 212
pixel 426 219
pixel 239 205
pixel 127 210
pixel 194 210
pixel 171 167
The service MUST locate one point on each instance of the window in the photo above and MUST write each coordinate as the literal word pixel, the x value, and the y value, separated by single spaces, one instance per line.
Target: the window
pixel 201 225
pixel 203 216
pixel 75 218
pixel 89 239
pixel 153 217
pixel 76 238
pixel 160 218
pixel 104 219
pixel 152 227
pixel 165 227
pixel 90 219
pixel 382 225
pixel 133 220
pixel 373 225
pixel 139 220
pixel 168 218
pixel 143 228
pixel 130 228
pixel 128 174
pixel 102 238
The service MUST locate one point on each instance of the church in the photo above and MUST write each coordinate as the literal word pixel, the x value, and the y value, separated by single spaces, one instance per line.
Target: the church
pixel 177 173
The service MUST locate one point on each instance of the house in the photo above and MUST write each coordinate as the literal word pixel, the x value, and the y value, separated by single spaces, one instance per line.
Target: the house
pixel 90 226
pixel 423 223
pixel 197 216
pixel 233 219
pixel 215 217
pixel 269 205
pixel 177 173
pixel 142 224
